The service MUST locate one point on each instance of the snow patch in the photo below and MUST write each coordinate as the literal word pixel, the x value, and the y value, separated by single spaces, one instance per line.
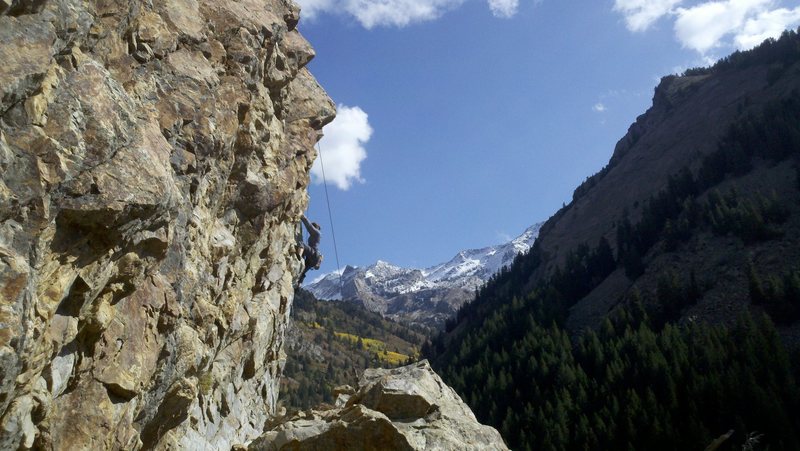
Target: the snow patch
pixel 469 269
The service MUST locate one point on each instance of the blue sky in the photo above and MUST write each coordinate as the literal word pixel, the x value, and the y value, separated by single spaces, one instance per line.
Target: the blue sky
pixel 462 122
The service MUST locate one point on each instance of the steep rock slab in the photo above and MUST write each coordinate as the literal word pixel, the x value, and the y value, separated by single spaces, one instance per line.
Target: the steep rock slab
pixel 407 408
pixel 154 159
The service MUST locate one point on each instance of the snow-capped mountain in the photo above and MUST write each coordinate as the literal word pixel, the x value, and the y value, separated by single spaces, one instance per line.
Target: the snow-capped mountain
pixel 427 296
pixel 471 268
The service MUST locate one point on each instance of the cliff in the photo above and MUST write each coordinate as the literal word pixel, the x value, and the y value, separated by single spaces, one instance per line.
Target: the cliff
pixel 154 160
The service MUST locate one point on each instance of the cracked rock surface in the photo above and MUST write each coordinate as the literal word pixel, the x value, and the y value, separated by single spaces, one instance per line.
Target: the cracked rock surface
pixel 154 160
pixel 407 408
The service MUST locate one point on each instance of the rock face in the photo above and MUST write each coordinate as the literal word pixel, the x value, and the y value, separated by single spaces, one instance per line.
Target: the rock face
pixel 154 160
pixel 407 408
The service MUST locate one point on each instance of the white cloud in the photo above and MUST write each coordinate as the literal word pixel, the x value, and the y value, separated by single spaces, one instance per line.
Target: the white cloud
pixel 599 107
pixel 397 13
pixel 342 148
pixel 706 25
pixel 702 27
pixel 503 8
pixel 640 14
pixel 312 8
pixel 768 24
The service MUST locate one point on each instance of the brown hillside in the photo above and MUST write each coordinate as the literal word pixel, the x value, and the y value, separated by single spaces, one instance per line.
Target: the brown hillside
pixel 702 107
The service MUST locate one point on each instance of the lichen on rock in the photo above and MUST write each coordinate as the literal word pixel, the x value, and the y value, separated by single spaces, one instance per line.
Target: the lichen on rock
pixel 154 160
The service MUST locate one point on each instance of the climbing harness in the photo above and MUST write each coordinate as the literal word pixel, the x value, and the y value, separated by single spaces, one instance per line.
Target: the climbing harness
pixel 330 218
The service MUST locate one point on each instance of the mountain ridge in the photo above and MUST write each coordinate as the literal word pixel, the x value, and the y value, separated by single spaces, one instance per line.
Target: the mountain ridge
pixel 422 295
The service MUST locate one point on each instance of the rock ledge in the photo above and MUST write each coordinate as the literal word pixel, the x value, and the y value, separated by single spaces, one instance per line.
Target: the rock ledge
pixel 407 408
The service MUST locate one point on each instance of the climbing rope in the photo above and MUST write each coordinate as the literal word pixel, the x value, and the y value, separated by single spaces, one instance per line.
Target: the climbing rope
pixel 330 218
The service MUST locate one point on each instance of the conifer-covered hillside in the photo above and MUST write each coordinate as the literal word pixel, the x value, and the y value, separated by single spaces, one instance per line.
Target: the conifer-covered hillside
pixel 659 309
pixel 331 343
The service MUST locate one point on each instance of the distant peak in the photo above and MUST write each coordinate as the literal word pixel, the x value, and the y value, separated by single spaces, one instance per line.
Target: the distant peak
pixel 382 264
pixel 466 270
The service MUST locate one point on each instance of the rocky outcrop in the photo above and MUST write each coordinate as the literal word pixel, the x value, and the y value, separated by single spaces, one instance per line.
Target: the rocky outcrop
pixel 154 160
pixel 407 408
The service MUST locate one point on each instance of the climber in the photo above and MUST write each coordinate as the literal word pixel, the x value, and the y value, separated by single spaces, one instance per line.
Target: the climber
pixel 311 255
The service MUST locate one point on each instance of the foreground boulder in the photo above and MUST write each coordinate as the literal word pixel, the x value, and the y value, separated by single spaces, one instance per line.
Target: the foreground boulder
pixel 407 408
